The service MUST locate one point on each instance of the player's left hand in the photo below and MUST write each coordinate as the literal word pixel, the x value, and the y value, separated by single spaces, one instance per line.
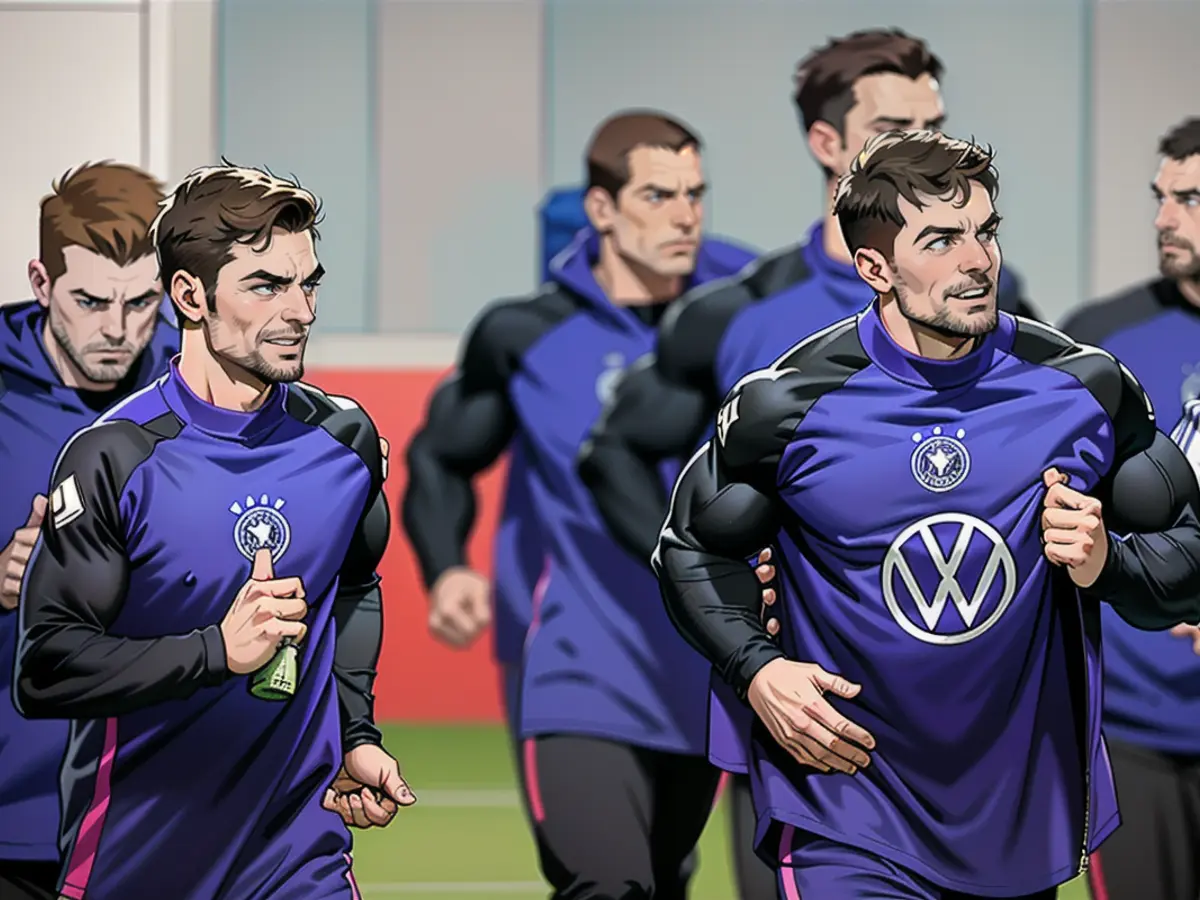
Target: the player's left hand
pixel 384 447
pixel 1073 530
pixel 1191 632
pixel 369 789
pixel 766 575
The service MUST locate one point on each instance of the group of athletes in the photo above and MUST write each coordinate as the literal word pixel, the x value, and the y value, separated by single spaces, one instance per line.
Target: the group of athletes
pixel 843 520
pixel 906 512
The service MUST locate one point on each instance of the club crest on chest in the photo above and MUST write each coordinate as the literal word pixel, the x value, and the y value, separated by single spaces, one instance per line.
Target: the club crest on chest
pixel 261 523
pixel 940 460
pixel 606 383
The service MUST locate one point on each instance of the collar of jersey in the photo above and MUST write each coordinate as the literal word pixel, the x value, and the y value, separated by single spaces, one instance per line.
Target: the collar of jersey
pixel 934 374
pixel 227 424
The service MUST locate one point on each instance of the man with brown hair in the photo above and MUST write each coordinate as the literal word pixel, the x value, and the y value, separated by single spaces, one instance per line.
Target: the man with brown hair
pixel 952 492
pixel 612 703
pixel 847 91
pixel 95 332
pixel 213 698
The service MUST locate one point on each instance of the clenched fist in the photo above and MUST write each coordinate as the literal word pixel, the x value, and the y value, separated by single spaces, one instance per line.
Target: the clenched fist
pixel 1073 530
pixel 266 611
pixel 460 606
pixel 15 557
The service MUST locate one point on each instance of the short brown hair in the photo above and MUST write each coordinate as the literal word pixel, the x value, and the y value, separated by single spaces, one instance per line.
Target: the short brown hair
pixel 915 165
pixel 216 207
pixel 1181 141
pixel 105 207
pixel 618 136
pixel 824 81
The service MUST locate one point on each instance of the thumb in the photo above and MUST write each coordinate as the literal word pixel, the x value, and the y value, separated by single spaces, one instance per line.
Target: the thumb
pixel 396 787
pixel 836 684
pixel 264 569
pixel 1052 477
pixel 1183 630
pixel 37 511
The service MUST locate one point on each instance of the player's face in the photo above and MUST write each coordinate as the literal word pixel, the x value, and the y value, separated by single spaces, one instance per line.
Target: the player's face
pixel 1177 189
pixel 945 265
pixel 101 314
pixel 265 304
pixel 659 213
pixel 884 102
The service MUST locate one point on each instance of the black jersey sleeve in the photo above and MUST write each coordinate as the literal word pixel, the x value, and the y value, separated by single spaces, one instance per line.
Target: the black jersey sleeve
pixel 468 424
pixel 724 510
pixel 358 604
pixel 1151 507
pixel 659 410
pixel 68 665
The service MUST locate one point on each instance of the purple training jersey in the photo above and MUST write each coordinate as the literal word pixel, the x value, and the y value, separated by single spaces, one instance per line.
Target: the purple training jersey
pixel 177 781
pixel 905 498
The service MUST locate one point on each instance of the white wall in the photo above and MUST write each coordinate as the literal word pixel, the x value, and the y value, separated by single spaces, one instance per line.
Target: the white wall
pixel 90 81
pixel 58 113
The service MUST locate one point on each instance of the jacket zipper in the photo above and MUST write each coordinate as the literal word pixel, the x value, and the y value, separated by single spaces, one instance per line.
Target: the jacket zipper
pixel 1087 814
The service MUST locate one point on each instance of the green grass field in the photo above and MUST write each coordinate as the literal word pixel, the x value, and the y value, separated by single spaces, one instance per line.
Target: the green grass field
pixel 466 838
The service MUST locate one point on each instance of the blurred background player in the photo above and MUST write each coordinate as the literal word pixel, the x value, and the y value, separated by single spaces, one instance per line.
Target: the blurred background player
pixel 95 332
pixel 144 633
pixel 847 91
pixel 607 688
pixel 1152 679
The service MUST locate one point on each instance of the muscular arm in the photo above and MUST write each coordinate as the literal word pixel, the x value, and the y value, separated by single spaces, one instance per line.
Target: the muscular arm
pixel 358 605
pixel 659 411
pixel 1152 576
pixel 68 665
pixel 723 511
pixel 651 418
pixel 468 425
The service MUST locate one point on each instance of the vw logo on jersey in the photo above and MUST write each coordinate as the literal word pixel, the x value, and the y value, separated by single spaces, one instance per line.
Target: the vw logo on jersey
pixel 614 365
pixel 1189 390
pixel 978 576
pixel 940 462
pixel 261 524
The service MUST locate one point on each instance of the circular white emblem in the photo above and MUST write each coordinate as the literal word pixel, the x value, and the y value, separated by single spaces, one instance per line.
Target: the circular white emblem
pixel 940 462
pixel 907 579
pixel 614 365
pixel 259 526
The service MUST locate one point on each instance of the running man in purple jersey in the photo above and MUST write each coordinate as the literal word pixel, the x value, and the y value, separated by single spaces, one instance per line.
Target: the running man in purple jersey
pixel 221 510
pixel 953 492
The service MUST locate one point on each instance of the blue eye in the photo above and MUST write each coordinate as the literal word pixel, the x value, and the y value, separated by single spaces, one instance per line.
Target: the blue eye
pixel 987 236
pixel 940 244
pixel 263 290
pixel 90 304
pixel 138 304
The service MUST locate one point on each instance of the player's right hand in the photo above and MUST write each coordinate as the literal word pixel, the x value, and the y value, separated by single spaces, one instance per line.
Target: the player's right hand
pixel 266 610
pixel 15 557
pixel 1191 632
pixel 460 606
pixel 789 697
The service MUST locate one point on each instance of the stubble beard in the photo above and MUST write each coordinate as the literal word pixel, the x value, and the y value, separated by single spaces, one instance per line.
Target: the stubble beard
pixel 945 322
pixel 97 373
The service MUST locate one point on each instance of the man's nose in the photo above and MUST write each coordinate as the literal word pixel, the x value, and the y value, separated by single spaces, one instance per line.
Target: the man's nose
pixel 299 306
pixel 112 323
pixel 1167 218
pixel 685 215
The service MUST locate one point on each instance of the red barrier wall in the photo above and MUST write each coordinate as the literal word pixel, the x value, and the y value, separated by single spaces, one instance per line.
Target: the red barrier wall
pixel 419 679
